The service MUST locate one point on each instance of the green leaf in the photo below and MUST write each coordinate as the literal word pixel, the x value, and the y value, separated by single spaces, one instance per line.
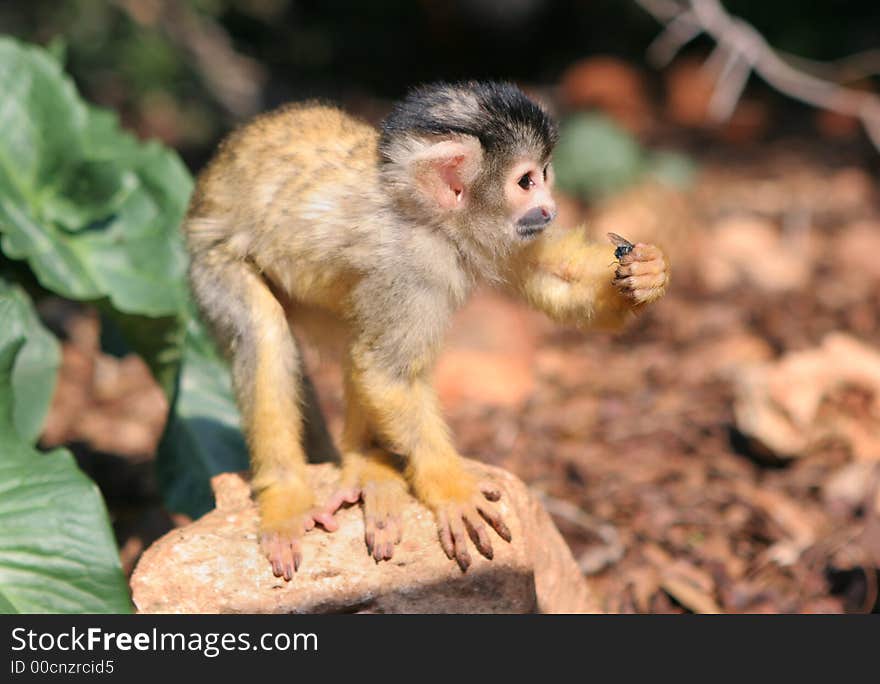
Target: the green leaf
pixel 36 365
pixel 203 436
pixel 57 552
pixel 94 212
pixel 595 157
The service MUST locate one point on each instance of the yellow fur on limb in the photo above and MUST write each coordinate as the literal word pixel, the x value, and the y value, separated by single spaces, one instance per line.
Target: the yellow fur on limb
pixel 571 279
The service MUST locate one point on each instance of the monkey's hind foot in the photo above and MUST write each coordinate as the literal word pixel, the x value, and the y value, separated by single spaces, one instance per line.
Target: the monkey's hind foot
pixel 346 494
pixel 283 550
pixel 374 479
pixel 461 514
pixel 286 514
pixel 383 521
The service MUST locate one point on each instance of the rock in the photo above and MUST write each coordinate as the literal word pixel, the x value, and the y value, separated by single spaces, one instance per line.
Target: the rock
pixel 214 565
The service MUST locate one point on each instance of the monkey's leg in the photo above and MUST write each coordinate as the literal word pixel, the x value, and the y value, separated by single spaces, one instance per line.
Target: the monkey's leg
pixel 406 414
pixel 267 383
pixel 370 473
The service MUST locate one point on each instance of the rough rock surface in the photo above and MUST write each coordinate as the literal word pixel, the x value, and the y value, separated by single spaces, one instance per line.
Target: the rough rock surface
pixel 214 565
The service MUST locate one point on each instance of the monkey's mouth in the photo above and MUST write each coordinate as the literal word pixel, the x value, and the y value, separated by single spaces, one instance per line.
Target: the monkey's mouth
pixel 529 231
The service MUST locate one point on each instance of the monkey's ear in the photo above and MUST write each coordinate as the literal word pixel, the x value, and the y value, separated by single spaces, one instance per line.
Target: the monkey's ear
pixel 444 171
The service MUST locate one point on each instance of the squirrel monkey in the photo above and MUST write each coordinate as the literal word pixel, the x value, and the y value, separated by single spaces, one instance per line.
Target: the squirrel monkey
pixel 308 217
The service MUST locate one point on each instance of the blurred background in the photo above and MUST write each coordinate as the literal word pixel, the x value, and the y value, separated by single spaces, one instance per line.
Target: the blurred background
pixel 723 453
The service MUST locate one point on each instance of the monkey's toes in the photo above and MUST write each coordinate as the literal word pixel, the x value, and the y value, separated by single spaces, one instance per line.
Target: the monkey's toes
pixel 324 515
pixel 490 491
pixel 381 536
pixel 283 551
pixel 383 520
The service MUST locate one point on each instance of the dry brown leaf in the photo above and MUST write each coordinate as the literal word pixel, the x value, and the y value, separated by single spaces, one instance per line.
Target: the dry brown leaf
pixel 691 597
pixel 778 403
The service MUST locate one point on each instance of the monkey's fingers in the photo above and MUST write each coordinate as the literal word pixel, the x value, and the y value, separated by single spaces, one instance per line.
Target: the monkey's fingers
pixel 646 252
pixel 640 268
pixel 643 274
pixel 644 288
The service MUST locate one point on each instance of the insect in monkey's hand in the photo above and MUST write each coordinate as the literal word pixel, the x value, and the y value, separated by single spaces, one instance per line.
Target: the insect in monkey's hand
pixel 622 245
pixel 642 273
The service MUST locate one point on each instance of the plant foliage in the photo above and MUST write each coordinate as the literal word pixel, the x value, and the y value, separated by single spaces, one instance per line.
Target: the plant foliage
pixel 94 214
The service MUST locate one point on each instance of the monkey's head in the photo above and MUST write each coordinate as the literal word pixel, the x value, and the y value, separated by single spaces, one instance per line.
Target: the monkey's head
pixel 474 155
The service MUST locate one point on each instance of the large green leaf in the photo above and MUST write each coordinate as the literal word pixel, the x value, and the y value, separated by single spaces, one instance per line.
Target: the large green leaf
pixel 36 365
pixel 94 212
pixel 57 552
pixel 202 437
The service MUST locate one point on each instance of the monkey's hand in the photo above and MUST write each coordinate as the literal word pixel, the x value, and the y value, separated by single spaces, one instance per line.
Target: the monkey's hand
pixel 592 285
pixel 461 505
pixel 642 275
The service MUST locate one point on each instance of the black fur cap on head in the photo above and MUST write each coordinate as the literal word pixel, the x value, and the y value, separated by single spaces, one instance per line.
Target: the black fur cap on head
pixel 499 115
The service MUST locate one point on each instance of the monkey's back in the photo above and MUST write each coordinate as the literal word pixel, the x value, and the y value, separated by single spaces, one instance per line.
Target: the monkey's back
pixel 267 172
pixel 294 194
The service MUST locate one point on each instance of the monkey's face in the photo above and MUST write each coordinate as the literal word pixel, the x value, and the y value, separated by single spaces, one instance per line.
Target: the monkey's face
pixel 527 194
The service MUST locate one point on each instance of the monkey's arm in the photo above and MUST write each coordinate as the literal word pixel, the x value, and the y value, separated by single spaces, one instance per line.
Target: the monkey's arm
pixel 576 281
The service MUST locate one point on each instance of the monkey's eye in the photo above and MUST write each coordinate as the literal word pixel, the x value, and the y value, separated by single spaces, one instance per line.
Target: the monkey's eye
pixel 526 181
pixel 546 170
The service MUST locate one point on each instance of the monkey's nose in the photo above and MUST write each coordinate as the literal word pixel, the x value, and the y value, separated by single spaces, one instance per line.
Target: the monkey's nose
pixel 537 217
pixel 548 213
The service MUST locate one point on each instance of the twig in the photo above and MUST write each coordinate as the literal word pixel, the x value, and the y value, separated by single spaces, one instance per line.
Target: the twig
pixel 847 69
pixel 741 50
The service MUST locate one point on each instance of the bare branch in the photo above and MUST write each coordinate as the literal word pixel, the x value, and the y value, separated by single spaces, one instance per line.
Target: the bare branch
pixel 680 31
pixel 847 69
pixel 741 50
